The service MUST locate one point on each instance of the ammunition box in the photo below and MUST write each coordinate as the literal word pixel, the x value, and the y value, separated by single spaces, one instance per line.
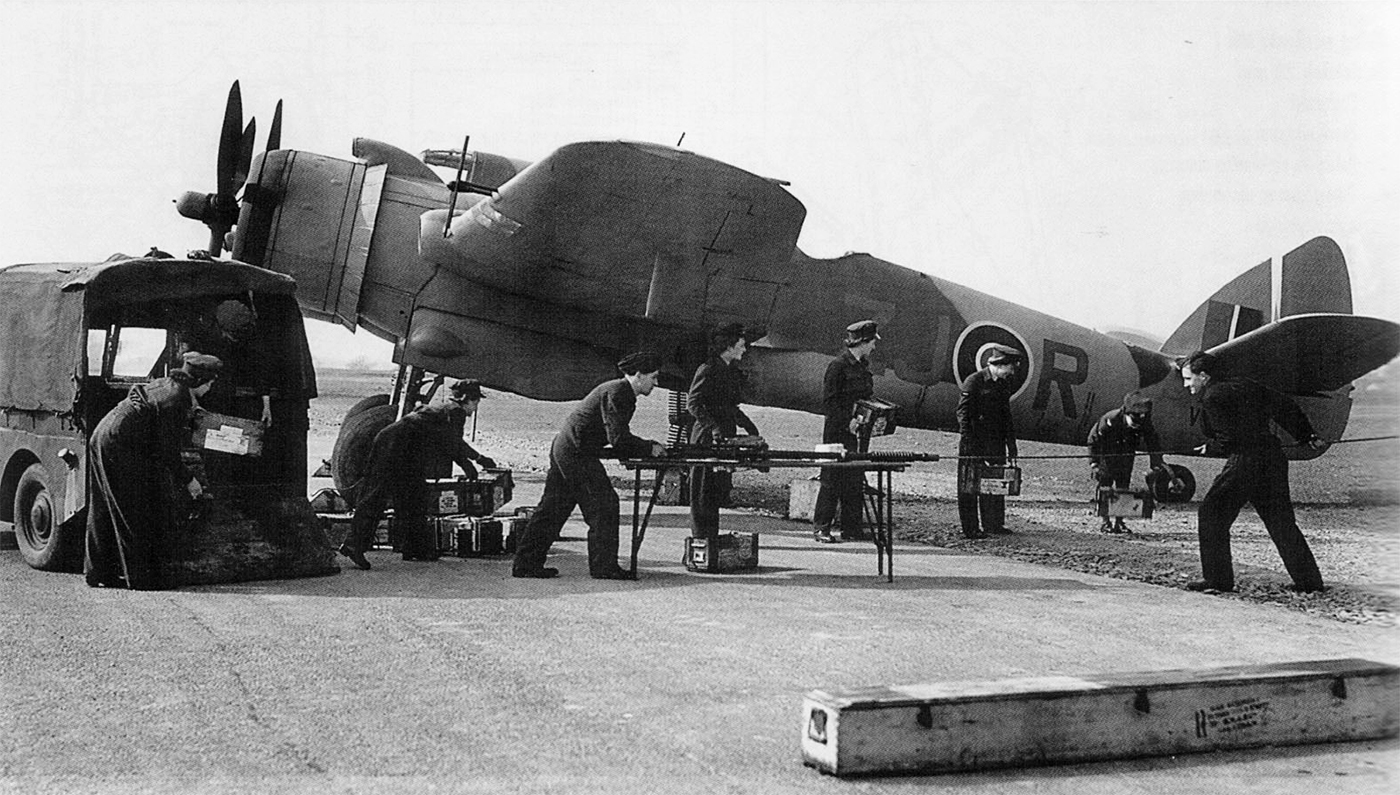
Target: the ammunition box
pixel 1002 481
pixel 878 416
pixel 729 552
pixel 225 434
pixel 1125 503
pixel 468 536
pixel 480 497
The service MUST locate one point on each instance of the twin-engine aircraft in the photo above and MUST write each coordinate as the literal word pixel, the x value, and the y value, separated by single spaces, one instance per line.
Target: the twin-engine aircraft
pixel 536 277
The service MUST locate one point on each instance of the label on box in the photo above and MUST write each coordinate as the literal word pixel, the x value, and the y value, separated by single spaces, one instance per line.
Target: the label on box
pixel 226 439
pixel 448 502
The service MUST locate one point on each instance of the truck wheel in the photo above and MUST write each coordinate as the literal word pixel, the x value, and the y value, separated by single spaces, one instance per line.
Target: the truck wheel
pixel 1161 486
pixel 42 543
pixel 351 452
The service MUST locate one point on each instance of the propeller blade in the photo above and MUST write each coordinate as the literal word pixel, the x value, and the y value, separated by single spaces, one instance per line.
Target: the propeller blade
pixel 274 136
pixel 245 154
pixel 230 142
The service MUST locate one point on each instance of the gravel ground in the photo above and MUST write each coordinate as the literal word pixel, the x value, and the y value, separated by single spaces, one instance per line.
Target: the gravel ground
pixel 1348 501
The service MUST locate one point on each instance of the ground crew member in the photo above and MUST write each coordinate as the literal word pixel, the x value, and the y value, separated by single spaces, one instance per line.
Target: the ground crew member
pixel 1235 416
pixel 847 380
pixel 577 477
pixel 134 465
pixel 401 459
pixel 242 389
pixel 987 440
pixel 713 400
pixel 1113 443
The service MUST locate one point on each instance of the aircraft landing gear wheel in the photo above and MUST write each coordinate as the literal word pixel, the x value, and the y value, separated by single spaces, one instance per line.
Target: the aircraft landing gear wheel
pixel 350 455
pixel 364 404
pixel 42 543
pixel 1161 487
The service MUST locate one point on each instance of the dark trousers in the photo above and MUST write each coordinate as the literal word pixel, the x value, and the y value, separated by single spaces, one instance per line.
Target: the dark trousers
pixel 410 497
pixel 574 479
pixel 842 493
pixel 1258 477
pixel 708 487
pixel 989 508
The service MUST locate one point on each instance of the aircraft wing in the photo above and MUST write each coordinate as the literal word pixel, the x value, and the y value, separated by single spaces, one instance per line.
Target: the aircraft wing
pixel 629 229
pixel 1310 354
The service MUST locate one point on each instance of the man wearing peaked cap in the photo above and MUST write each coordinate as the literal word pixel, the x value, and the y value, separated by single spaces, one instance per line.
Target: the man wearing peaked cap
pixel 577 477
pixel 1003 354
pixel 861 331
pixel 847 380
pixel 986 440
pixel 402 457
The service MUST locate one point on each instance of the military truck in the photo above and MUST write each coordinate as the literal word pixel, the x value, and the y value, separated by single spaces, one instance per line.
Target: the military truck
pixel 74 339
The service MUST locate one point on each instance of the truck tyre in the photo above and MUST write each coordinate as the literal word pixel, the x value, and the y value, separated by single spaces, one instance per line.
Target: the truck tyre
pixel 350 455
pixel 41 540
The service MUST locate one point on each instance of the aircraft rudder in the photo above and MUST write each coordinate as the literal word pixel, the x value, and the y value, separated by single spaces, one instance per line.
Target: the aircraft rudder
pixel 1315 280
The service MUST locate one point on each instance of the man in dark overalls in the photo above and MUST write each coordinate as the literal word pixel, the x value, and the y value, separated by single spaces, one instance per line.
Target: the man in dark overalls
pixel 1113 444
pixel 401 459
pixel 577 477
pixel 1235 416
pixel 713 400
pixel 134 467
pixel 987 439
pixel 847 380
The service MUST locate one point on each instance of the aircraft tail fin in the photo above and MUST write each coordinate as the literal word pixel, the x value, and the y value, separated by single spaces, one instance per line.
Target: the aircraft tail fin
pixel 1313 279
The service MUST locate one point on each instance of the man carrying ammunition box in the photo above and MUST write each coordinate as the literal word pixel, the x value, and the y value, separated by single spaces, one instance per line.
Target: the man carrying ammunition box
pixel 577 477
pixel 987 439
pixel 1114 441
pixel 714 397
pixel 401 459
pixel 847 380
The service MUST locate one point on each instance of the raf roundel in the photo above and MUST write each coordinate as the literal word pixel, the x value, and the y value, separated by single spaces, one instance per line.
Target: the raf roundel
pixel 975 346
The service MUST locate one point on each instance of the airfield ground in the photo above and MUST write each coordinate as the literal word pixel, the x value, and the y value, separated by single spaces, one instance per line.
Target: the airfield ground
pixel 453 677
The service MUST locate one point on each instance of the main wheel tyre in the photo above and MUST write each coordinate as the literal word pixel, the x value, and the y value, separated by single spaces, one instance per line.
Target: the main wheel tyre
pixel 1161 487
pixel 350 456
pixel 363 404
pixel 41 540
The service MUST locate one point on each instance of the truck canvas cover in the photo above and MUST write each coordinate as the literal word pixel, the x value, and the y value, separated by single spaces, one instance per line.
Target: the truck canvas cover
pixel 43 303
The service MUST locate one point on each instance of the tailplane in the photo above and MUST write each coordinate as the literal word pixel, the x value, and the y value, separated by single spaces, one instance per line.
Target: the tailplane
pixel 1313 279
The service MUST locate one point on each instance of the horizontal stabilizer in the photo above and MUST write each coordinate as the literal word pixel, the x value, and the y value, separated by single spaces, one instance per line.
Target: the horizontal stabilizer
pixel 1310 354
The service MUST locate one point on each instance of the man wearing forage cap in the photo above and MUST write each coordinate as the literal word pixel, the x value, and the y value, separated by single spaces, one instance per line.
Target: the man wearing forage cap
pixel 847 380
pixel 577 477
pixel 986 439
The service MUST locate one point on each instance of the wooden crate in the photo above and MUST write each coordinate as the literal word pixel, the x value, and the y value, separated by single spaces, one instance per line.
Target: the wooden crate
pixel 962 726
pixel 802 499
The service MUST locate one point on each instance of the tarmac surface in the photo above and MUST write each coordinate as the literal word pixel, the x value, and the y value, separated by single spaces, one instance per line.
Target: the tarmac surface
pixel 454 677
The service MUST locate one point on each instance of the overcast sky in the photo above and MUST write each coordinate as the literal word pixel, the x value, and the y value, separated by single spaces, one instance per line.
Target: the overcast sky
pixel 1109 163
